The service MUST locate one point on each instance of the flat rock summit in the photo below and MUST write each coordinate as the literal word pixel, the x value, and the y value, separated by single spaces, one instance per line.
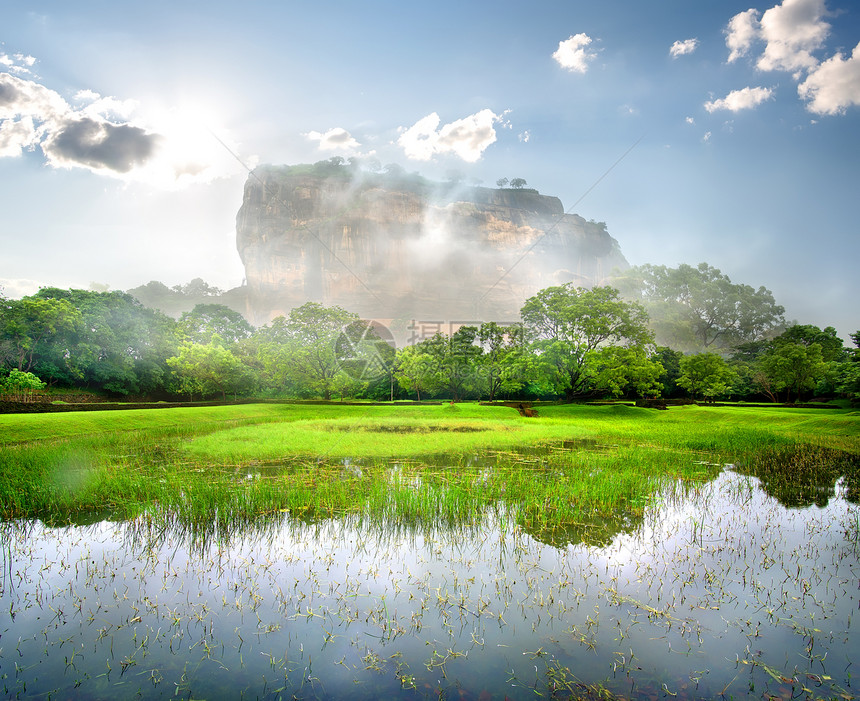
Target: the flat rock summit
pixel 397 246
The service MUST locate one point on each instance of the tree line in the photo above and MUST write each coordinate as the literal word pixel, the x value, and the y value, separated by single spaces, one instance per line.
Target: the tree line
pixel 657 332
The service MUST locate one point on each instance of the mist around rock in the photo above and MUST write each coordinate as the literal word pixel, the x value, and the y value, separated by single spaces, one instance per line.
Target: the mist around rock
pixel 397 247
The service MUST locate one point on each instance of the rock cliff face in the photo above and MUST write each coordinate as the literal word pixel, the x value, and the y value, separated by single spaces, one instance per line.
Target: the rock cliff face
pixel 395 246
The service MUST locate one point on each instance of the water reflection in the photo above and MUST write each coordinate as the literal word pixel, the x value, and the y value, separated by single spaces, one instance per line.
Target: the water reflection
pixel 805 476
pixel 720 591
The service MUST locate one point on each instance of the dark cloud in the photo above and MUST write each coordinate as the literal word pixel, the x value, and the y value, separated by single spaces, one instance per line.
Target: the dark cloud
pixel 9 93
pixel 99 144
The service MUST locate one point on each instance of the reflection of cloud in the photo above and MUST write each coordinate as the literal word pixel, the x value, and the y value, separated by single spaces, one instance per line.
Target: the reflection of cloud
pixel 736 100
pixel 680 48
pixel 336 139
pixel 467 138
pixel 834 85
pixel 572 53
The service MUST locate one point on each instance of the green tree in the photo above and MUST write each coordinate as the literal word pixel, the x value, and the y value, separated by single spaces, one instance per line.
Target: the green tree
pixel 197 288
pixel 699 308
pixel 791 367
pixel 366 353
pixel 518 183
pixel 848 381
pixel 21 386
pixel 207 369
pixel 207 320
pixel 309 348
pixel 119 345
pixel 618 371
pixel 706 375
pixel 416 369
pixel 458 360
pixel 504 362
pixel 567 326
pixel 832 347
pixel 442 364
pixel 670 361
pixel 30 326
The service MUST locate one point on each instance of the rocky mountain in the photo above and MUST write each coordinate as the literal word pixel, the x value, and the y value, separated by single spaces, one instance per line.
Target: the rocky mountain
pixel 396 246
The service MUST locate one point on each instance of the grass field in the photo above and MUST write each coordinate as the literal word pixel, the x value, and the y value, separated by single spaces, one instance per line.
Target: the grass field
pixel 409 464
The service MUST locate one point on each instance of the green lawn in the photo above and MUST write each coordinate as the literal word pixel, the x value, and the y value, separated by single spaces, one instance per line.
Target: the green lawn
pixel 235 463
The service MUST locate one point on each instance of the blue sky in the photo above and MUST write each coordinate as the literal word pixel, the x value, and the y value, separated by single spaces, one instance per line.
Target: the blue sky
pixel 743 118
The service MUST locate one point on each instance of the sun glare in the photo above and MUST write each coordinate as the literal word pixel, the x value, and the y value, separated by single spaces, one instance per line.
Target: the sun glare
pixel 194 147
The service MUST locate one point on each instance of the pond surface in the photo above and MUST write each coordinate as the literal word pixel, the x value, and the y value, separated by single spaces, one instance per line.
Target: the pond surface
pixel 721 592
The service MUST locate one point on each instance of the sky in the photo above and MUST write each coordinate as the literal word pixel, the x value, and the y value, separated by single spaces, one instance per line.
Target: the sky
pixel 724 132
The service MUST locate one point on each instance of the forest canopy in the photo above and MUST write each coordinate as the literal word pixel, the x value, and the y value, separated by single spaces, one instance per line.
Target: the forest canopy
pixel 659 332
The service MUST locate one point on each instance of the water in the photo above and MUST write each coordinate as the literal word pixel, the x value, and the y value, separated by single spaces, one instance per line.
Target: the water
pixel 721 591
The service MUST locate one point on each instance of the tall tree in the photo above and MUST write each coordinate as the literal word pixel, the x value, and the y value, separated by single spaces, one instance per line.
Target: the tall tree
pixel 848 382
pixel 441 363
pixel 207 320
pixel 568 327
pixel 207 369
pixel 504 361
pixel 832 347
pixel 307 345
pixel 792 363
pixel 31 326
pixel 706 375
pixel 699 308
pixel 417 369
pixel 120 345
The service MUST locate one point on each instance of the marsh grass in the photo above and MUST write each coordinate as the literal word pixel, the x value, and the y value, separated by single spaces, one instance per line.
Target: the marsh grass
pixel 410 465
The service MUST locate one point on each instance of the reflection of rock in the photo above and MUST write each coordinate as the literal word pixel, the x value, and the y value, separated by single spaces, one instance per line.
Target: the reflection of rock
pixel 401 247
pixel 596 530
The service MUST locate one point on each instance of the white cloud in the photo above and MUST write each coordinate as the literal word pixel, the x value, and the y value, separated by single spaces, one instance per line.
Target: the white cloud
pixel 336 139
pixel 834 85
pixel 467 138
pixel 680 48
pixel 690 120
pixel 105 107
pixel 99 134
pixel 741 32
pixel 19 97
pixel 15 288
pixel 32 114
pixel 736 100
pixel 792 31
pixel 16 135
pixel 707 137
pixel 572 53
pixel 17 63
pixel 525 136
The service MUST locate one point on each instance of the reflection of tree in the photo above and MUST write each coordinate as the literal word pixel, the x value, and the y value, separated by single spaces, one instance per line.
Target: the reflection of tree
pixel 596 529
pixel 800 476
